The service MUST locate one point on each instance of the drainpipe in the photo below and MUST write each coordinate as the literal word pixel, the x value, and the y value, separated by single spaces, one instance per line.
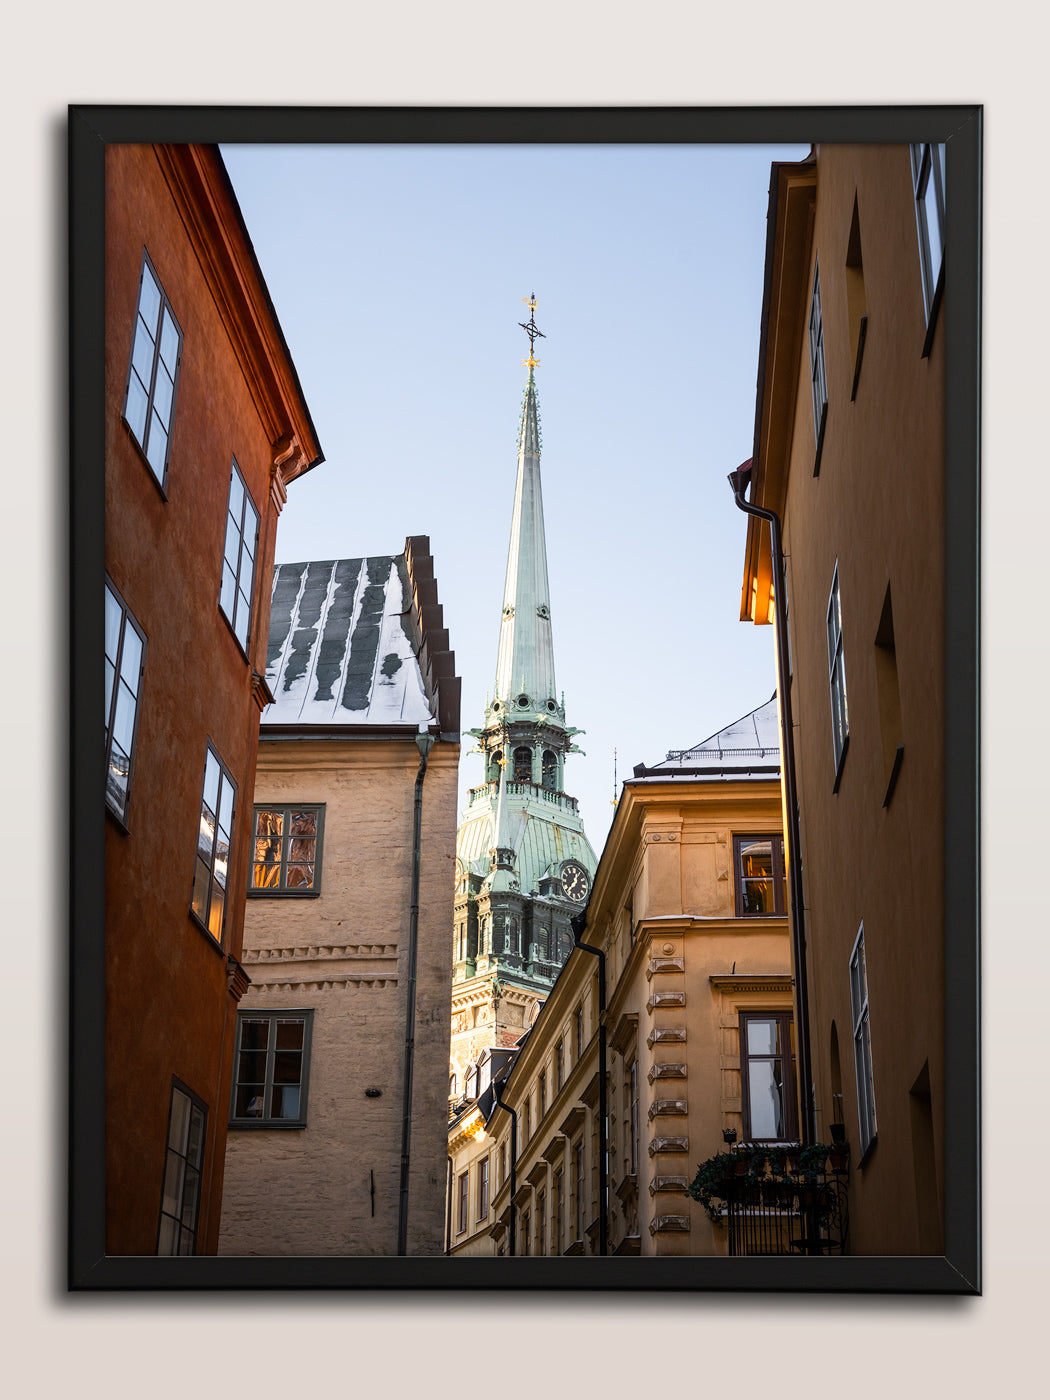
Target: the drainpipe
pixel 578 923
pixel 496 1087
pixel 424 742
pixel 739 481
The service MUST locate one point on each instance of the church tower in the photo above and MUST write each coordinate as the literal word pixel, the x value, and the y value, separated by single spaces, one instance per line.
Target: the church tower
pixel 524 865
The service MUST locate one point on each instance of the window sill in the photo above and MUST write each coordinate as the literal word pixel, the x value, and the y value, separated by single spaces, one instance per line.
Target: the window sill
pixel 117 821
pixel 861 338
pixel 207 934
pixel 160 485
pixel 841 764
pixel 283 894
pixel 931 320
pixel 893 775
pixel 233 634
pixel 275 1125
pixel 820 439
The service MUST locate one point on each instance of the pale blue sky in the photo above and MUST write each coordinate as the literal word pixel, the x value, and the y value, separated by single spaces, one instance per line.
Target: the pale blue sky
pixel 397 273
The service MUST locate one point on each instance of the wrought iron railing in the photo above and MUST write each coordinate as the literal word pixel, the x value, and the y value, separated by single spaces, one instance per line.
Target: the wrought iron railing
pixel 787 1217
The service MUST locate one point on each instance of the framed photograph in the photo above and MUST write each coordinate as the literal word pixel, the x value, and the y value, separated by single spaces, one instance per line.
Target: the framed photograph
pixel 386 974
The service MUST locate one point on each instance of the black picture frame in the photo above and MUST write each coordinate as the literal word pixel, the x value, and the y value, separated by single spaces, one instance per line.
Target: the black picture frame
pixel 91 128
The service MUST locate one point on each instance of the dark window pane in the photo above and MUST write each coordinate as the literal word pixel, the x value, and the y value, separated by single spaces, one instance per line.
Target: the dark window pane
pixel 285 1102
pixel 290 1035
pixel 287 1067
pixel 201 881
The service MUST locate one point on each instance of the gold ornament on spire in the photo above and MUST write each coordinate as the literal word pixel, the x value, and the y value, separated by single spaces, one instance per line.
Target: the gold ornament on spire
pixel 532 331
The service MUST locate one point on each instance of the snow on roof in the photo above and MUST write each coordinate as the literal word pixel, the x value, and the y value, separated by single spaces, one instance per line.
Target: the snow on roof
pixel 340 651
pixel 749 744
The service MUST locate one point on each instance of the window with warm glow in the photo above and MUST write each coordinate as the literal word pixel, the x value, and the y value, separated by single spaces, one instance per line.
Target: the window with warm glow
pixel 212 864
pixel 286 850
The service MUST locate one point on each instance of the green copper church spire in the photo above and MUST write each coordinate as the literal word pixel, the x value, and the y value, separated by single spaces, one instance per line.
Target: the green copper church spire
pixel 525 665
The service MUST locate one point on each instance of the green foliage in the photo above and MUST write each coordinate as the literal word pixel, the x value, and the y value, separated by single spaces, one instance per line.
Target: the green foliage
pixel 760 1163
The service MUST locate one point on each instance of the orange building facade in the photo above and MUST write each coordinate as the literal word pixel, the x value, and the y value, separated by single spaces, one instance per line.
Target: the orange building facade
pixel 205 427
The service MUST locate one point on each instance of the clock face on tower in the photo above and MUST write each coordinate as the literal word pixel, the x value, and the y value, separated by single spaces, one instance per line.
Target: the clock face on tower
pixel 575 881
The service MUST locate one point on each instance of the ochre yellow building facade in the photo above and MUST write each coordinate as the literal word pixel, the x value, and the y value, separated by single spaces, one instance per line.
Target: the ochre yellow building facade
pixel 688 916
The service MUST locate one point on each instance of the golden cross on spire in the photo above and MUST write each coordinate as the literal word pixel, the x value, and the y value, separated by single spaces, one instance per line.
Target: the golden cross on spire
pixel 532 331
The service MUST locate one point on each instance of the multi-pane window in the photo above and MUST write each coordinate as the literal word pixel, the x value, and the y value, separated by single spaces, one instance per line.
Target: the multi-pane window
pixel 578 1018
pixel 483 1188
pixel 273 1061
pixel 541 1222
pixel 837 675
pixel 183 1157
pixel 464 1196
pixel 238 557
pixel 632 1117
pixel 153 374
pixel 286 850
pixel 767 1071
pixel 125 653
pixel 858 987
pixel 927 171
pixel 212 864
pixel 761 885
pixel 502 1163
pixel 526 1231
pixel 542 1093
pixel 559 1066
pixel 818 373
pixel 527 1120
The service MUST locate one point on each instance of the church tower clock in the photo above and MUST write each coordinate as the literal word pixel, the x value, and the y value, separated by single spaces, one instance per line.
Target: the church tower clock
pixel 524 865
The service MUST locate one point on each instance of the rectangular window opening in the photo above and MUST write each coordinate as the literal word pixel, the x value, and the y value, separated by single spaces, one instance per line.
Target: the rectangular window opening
pixel 272 1065
pixel 286 850
pixel 856 304
pixel 125 661
pixel 761 876
pixel 153 373
pixel 818 372
pixel 767 1072
pixel 212 864
pixel 837 676
pixel 183 1165
pixel 238 558
pixel 858 986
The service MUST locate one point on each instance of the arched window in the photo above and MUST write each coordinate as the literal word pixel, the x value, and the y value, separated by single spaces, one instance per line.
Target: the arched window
pixel 550 770
pixel 523 765
pixel 494 765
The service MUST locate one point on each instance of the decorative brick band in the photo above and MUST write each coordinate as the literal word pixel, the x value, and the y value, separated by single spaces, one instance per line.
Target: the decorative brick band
pixel 668 1144
pixel 325 950
pixel 353 980
pixel 668 1108
pixel 667 1071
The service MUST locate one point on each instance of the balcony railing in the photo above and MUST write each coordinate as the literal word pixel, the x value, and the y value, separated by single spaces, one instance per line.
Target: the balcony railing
pixel 487 791
pixel 778 1200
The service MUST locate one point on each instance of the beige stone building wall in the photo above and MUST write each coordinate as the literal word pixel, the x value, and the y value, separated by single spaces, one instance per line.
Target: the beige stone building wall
pixel 333 1186
pixel 680 966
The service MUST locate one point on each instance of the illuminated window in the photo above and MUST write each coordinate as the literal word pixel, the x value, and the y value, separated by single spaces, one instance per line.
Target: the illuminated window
pixel 927 173
pixel 286 850
pixel 153 373
pixel 761 886
pixel 767 1070
pixel 238 557
pixel 211 867
pixel 273 1059
pixel 183 1158
pixel 125 657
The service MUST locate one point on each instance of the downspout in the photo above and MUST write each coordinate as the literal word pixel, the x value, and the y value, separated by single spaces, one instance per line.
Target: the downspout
pixel 424 742
pixel 739 481
pixel 496 1086
pixel 578 923
pixel 448 1208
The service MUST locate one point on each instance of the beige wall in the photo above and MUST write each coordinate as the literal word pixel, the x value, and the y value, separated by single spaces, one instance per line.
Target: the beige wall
pixel 679 970
pixel 344 954
pixel 877 509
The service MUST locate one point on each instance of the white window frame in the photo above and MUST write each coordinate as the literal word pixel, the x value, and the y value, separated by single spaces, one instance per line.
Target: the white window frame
pixel 862 1062
pixel 153 370
pixel 928 168
pixel 837 676
pixel 238 558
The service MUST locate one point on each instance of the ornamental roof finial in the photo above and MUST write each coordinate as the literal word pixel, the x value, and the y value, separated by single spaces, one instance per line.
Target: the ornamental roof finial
pixel 532 331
